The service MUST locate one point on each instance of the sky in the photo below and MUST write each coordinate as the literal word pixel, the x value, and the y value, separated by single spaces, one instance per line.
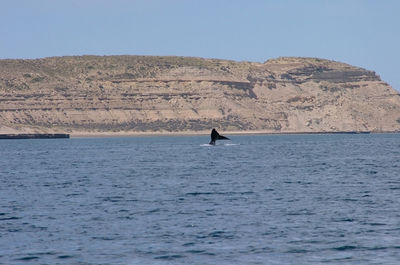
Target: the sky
pixel 364 33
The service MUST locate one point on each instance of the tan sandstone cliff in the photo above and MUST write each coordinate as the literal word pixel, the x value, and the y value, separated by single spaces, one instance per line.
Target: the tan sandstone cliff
pixel 180 94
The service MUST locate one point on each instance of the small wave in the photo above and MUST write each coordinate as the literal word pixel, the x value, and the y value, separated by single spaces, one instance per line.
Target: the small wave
pixel 219 234
pixel 375 224
pixel 301 212
pixel 10 218
pixel 169 257
pixel 195 251
pixel 156 210
pixel 73 194
pixel 343 220
pixel 229 144
pixel 65 256
pixel 105 238
pixel 27 258
pixel 200 193
pixel 201 252
pixel 344 248
pixel 297 251
pixel 113 198
pixel 229 193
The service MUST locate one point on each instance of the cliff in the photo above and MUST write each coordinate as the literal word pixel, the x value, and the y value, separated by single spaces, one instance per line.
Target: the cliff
pixel 180 94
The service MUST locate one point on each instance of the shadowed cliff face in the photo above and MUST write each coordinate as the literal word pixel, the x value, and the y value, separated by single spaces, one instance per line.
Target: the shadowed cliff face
pixel 158 94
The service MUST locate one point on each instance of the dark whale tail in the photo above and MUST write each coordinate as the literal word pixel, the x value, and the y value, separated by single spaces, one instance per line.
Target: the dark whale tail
pixel 216 136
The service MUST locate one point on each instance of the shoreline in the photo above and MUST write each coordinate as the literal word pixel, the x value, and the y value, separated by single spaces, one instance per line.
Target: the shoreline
pixel 34 136
pixel 86 134
pixel 205 133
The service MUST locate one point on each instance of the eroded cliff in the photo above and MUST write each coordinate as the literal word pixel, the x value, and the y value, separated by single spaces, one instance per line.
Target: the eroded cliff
pixel 177 94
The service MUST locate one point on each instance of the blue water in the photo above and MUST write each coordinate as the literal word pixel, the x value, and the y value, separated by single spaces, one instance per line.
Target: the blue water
pixel 277 199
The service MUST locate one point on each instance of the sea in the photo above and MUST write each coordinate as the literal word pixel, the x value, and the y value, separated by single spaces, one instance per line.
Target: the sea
pixel 256 199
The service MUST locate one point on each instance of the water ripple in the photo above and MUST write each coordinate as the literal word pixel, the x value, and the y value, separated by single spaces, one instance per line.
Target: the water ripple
pixel 294 199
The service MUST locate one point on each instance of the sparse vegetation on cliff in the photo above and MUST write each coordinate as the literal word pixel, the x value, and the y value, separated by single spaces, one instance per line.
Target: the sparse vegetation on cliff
pixel 156 94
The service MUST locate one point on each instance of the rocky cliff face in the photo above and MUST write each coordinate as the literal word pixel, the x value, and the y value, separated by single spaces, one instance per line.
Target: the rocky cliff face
pixel 166 94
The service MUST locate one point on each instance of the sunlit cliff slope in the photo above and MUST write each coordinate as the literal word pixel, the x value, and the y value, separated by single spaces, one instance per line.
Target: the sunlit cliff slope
pixel 180 94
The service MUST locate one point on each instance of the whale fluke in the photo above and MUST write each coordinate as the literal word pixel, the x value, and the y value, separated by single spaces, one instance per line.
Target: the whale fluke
pixel 216 136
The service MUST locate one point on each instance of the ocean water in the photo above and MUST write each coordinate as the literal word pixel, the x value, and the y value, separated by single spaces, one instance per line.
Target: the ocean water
pixel 272 199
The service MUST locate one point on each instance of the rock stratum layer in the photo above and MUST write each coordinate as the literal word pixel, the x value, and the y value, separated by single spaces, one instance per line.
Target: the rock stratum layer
pixel 182 94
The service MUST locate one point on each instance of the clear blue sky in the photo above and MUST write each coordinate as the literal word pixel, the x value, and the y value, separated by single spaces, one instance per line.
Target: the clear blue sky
pixel 364 33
